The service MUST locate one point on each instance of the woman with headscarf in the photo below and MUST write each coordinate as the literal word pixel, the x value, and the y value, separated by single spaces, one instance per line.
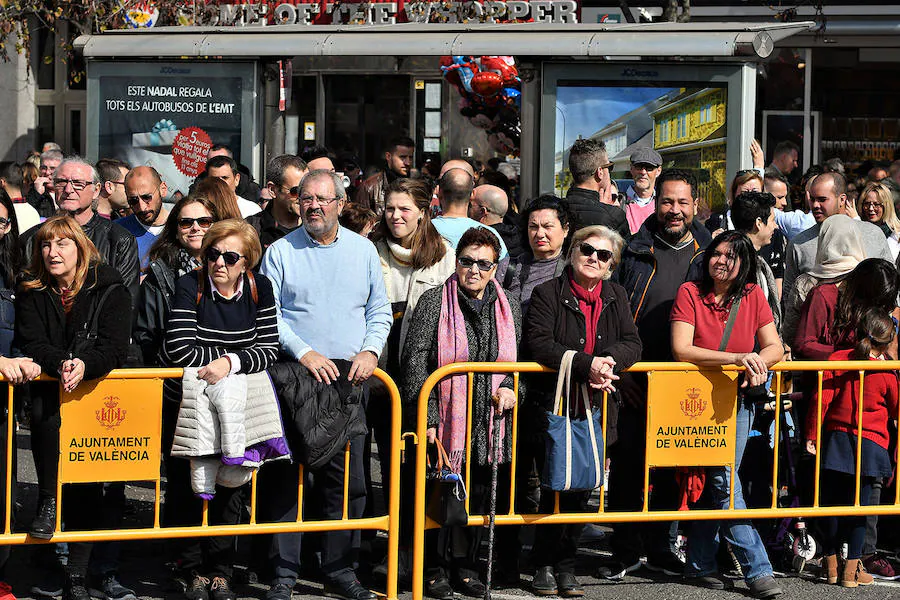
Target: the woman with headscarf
pixel 840 249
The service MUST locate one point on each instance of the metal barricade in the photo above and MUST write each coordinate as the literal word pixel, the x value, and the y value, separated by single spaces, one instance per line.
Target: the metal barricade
pixel 114 408
pixel 710 377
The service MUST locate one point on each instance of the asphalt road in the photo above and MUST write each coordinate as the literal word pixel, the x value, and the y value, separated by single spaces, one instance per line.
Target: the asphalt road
pixel 143 564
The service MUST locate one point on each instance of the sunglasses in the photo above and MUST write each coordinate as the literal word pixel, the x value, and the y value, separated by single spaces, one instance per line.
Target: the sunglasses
pixel 614 197
pixel 146 198
pixel 230 258
pixel 293 191
pixel 602 254
pixel 4 223
pixel 202 222
pixel 468 263
pixel 77 184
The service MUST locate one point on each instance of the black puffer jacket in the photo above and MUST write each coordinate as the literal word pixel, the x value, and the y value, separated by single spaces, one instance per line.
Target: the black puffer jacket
pixel 318 418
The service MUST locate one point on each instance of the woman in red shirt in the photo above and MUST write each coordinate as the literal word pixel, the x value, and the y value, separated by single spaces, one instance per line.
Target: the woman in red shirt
pixel 840 418
pixel 699 318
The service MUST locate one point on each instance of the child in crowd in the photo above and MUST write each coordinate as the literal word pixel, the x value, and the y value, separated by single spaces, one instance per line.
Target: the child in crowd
pixel 840 418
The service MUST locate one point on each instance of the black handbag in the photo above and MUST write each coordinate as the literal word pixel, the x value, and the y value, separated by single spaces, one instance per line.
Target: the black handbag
pixel 86 337
pixel 447 502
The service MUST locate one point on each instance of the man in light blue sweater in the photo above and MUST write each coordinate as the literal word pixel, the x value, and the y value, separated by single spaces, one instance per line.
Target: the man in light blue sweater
pixel 332 304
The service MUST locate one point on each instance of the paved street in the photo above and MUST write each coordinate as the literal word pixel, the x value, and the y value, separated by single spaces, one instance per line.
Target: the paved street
pixel 143 565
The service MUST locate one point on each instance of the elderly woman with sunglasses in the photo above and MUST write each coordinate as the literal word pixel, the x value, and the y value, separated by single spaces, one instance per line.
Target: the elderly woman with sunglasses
pixel 580 310
pixel 468 318
pixel 223 324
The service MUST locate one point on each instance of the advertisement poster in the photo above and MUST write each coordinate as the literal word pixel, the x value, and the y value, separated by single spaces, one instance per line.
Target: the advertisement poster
pixel 168 116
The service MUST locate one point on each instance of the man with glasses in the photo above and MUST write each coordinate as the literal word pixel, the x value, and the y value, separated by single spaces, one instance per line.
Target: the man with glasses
pixel 144 192
pixel 332 306
pixel 659 258
pixel 77 186
pixel 111 203
pixel 282 214
pixel 41 195
pixel 646 165
pixel 589 165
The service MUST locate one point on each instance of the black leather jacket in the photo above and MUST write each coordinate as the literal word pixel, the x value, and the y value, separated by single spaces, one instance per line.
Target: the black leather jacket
pixel 152 314
pixel 117 248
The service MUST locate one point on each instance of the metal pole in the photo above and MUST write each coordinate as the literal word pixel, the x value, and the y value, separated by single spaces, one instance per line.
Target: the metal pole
pixel 807 101
pixel 498 416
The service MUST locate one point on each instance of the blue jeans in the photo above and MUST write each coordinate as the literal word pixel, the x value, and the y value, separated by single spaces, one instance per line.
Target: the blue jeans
pixel 703 542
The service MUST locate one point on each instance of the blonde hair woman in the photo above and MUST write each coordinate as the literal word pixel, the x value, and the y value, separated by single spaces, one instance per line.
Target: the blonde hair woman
pixel 875 204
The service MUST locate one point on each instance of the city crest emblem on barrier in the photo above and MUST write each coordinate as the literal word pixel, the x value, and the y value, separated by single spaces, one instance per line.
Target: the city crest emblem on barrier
pixel 111 416
pixel 693 406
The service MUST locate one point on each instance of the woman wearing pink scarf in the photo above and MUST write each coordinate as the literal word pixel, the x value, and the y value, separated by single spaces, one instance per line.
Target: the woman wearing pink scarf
pixel 471 319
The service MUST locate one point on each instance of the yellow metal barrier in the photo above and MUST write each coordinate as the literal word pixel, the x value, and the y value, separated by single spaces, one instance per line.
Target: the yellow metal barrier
pixel 422 522
pixel 389 523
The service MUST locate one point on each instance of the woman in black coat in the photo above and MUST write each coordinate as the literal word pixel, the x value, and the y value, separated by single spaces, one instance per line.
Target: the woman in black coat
pixel 580 310
pixel 63 288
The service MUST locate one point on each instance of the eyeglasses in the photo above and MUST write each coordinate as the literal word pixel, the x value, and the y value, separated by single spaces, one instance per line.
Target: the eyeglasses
pixel 743 172
pixel 230 258
pixel 608 166
pixel 871 205
pixel 77 184
pixel 468 263
pixel 603 255
pixel 308 199
pixel 202 222
pixel 644 166
pixel 293 191
pixel 614 197
pixel 4 223
pixel 146 198
pixel 118 182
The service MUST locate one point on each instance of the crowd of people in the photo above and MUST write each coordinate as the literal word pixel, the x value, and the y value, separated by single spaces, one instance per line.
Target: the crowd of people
pixel 281 300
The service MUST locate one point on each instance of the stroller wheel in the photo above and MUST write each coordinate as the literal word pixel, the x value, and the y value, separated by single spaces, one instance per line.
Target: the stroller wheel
pixel 804 547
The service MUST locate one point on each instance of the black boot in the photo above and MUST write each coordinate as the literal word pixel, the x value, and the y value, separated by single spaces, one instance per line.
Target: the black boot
pixel 74 588
pixel 44 525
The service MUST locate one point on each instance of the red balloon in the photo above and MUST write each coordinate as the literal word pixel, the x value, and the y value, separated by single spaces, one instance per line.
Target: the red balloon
pixel 487 84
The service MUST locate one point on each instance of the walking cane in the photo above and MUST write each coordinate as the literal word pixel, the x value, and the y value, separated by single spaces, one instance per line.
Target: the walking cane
pixel 496 459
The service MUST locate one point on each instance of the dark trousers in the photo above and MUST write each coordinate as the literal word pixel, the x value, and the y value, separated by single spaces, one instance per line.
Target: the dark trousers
pixel 105 557
pixel 212 556
pixel 45 435
pixel 839 489
pixel 278 503
pixel 626 491
pixel 80 502
pixel 871 543
pixel 556 545
pixel 454 550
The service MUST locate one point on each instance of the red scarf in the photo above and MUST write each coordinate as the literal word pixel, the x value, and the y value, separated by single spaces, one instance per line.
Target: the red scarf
pixel 590 304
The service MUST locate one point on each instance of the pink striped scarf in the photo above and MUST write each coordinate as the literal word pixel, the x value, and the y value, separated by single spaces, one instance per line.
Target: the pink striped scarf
pixel 453 346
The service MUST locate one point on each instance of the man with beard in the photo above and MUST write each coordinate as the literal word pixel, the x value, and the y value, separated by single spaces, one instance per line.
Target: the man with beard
pixel 646 164
pixel 144 192
pixel 665 251
pixel 323 274
pixel 398 158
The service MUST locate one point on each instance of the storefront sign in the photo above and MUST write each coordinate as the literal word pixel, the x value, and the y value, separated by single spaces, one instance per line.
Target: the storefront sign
pixel 169 119
pixel 388 13
pixel 111 431
pixel 691 419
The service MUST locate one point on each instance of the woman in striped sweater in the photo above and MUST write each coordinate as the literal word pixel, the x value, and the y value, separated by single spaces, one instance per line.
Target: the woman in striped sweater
pixel 223 323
